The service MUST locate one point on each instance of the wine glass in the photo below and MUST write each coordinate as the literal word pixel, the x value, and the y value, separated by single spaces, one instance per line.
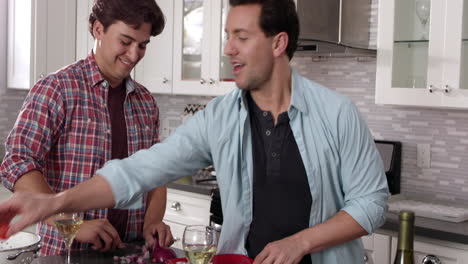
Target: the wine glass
pixel 423 10
pixel 199 243
pixel 68 225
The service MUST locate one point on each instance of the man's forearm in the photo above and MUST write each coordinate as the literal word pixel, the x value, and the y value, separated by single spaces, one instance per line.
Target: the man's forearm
pixel 94 193
pixel 337 230
pixel 33 182
pixel 156 205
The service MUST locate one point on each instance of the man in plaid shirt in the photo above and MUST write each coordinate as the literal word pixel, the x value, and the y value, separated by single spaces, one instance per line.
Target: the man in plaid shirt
pixel 74 120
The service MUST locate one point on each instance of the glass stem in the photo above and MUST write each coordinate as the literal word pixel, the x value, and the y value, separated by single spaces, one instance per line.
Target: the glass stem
pixel 68 255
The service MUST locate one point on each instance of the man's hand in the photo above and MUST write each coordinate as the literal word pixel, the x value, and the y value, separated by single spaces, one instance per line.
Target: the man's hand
pixel 31 207
pixel 100 233
pixel 161 230
pixel 285 251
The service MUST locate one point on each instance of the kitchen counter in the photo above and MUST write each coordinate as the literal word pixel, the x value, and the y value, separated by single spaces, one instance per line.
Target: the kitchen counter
pixel 432 228
pixel 204 189
pixel 94 257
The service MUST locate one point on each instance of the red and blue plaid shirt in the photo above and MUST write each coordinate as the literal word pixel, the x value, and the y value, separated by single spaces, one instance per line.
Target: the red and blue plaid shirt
pixel 64 131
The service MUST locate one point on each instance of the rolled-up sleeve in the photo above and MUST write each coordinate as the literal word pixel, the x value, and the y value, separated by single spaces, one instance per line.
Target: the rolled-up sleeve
pixel 27 144
pixel 364 182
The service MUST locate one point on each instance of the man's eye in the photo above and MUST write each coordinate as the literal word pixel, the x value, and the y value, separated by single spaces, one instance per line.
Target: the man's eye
pixel 242 38
pixel 125 43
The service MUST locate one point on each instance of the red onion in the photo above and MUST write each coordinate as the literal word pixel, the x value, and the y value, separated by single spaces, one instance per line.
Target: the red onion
pixel 160 254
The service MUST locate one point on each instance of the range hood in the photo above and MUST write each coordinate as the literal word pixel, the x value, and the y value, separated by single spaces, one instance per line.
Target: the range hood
pixel 335 26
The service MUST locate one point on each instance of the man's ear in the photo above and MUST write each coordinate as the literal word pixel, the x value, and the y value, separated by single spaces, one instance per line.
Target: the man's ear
pixel 280 43
pixel 98 29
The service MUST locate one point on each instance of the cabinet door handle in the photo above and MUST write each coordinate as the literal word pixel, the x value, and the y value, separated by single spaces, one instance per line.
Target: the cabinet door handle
pixel 202 81
pixel 165 80
pixel 447 89
pixel 433 89
pixel 431 259
pixel 365 258
pixel 175 206
pixel 212 81
pixel 176 239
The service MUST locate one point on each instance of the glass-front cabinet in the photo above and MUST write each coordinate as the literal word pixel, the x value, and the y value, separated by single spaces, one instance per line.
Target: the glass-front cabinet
pixel 199 64
pixel 423 53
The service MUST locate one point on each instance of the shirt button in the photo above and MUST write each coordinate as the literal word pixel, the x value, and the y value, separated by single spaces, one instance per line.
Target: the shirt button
pixel 274 154
pixel 147 128
pixel 108 131
pixel 89 120
pixel 268 132
pixel 265 114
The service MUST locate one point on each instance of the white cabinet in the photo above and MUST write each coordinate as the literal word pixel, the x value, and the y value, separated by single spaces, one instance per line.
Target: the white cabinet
pixel 154 71
pixel 446 254
pixel 84 40
pixel 377 249
pixel 422 53
pixel 185 208
pixel 41 39
pixel 199 66
pixel 381 248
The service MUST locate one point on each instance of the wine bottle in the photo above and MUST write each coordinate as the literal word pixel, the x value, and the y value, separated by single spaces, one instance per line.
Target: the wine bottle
pixel 404 254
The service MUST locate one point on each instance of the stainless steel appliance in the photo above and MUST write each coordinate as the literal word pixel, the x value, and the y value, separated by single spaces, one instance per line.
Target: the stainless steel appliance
pixel 335 26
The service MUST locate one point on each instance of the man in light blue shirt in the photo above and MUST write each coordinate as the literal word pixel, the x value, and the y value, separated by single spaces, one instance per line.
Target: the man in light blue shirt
pixel 342 166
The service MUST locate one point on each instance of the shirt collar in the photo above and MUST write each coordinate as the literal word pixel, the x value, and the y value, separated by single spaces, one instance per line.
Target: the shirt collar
pixel 298 99
pixel 95 77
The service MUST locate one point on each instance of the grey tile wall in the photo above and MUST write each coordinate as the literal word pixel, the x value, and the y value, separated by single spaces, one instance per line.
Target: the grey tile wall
pixel 10 104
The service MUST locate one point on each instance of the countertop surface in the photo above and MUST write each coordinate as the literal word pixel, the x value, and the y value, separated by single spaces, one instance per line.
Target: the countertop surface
pixel 93 257
pixel 432 228
pixel 204 189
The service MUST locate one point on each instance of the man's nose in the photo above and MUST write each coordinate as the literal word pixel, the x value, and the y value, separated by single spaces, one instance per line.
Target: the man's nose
pixel 132 53
pixel 229 49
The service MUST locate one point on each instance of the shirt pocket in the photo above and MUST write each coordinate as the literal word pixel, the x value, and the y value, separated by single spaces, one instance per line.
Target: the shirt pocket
pixel 86 136
pixel 144 135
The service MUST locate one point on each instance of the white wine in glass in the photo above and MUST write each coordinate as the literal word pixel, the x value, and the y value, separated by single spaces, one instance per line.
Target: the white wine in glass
pixel 68 225
pixel 199 243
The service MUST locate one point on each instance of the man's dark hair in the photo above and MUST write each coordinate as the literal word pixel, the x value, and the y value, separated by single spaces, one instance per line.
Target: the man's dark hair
pixel 131 12
pixel 277 16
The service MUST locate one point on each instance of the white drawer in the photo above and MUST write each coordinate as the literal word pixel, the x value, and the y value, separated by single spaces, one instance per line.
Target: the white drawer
pixel 177 232
pixel 187 208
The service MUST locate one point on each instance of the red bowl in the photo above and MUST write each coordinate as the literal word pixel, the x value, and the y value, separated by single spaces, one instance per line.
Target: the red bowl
pixel 220 259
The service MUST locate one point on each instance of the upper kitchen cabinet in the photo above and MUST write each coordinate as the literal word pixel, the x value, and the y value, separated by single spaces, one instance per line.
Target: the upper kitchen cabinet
pixel 84 40
pixel 41 39
pixel 422 53
pixel 200 68
pixel 154 71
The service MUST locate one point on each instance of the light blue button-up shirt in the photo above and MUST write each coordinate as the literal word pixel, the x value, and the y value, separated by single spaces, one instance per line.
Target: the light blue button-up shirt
pixel 344 169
